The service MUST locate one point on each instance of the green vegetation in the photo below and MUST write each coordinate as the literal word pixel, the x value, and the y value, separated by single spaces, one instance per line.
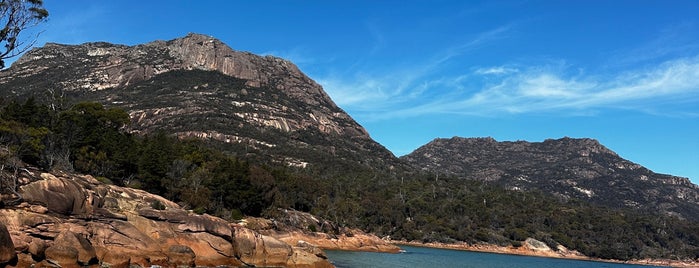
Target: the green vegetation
pixel 16 16
pixel 90 138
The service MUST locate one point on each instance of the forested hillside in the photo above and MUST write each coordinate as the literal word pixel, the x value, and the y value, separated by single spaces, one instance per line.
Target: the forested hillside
pixel 402 204
pixel 196 86
pixel 567 168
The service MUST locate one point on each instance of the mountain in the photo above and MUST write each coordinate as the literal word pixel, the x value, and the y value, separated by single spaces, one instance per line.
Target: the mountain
pixel 568 168
pixel 273 139
pixel 197 86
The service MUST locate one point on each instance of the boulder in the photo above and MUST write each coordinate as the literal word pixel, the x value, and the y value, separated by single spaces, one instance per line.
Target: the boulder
pixel 304 259
pixel 23 260
pixel 308 247
pixel 63 255
pixel 86 253
pixel 209 250
pixel 254 248
pixel 37 248
pixel 121 256
pixel 189 222
pixel 7 247
pixel 208 224
pixel 113 258
pixel 260 250
pixel 59 195
pixel 73 220
pixel 180 255
pixel 536 245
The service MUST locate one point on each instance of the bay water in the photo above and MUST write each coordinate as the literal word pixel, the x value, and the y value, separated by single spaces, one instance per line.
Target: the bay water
pixel 418 257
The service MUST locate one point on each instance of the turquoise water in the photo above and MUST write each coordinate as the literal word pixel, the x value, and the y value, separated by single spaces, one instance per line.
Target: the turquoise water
pixel 416 257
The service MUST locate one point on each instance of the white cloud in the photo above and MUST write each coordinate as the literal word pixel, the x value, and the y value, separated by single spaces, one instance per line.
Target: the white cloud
pixel 388 90
pixel 553 86
pixel 355 94
pixel 536 89
pixel 496 70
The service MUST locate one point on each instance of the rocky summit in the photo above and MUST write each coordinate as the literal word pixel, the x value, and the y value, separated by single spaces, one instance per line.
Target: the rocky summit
pixel 197 86
pixel 569 168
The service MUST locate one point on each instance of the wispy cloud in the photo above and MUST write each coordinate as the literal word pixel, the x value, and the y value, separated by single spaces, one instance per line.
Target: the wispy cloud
pixel 497 70
pixel 386 90
pixel 379 41
pixel 670 42
pixel 536 89
pixel 474 43
pixel 652 78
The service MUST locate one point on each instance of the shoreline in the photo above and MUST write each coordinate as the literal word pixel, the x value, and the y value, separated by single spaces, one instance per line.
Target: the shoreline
pixel 294 234
pixel 524 251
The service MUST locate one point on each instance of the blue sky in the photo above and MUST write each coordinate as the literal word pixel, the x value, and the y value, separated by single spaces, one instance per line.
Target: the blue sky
pixel 623 72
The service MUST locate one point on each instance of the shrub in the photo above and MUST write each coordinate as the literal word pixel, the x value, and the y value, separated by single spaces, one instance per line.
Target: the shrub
pixel 156 204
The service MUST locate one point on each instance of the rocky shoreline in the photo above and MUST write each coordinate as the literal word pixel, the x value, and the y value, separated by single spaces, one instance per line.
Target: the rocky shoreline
pixel 292 227
pixel 532 247
pixel 72 220
pixel 359 241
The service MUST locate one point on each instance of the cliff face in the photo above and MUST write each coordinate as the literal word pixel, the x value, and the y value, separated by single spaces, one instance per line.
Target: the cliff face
pixel 74 220
pixel 569 168
pixel 197 86
pixel 107 66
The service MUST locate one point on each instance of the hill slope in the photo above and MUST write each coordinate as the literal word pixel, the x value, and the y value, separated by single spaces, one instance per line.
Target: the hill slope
pixel 196 86
pixel 568 168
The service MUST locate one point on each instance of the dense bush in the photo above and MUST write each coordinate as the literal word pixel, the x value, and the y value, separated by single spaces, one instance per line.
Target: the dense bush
pixel 90 138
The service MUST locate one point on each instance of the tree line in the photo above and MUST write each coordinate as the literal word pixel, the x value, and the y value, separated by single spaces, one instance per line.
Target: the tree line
pixel 91 139
pixel 403 204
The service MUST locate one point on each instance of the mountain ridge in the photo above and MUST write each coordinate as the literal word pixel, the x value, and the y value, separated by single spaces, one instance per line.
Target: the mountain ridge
pixel 580 168
pixel 263 106
pixel 118 66
pixel 263 92
pixel 274 139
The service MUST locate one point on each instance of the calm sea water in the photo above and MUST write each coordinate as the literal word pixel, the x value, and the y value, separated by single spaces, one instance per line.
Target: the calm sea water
pixel 416 257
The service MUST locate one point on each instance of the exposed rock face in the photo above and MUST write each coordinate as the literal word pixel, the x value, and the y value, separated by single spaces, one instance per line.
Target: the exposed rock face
pixel 103 66
pixel 69 242
pixel 59 196
pixel 119 65
pixel 568 168
pixel 292 227
pixel 119 227
pixel 529 247
pixel 197 86
pixel 7 247
pixel 352 240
